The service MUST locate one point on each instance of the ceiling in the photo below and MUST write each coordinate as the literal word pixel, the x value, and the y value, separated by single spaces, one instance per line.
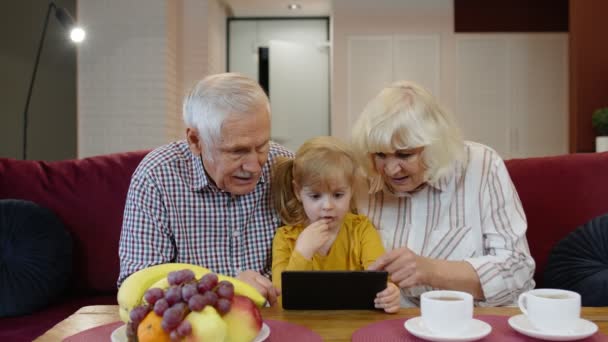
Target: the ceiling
pixel 278 8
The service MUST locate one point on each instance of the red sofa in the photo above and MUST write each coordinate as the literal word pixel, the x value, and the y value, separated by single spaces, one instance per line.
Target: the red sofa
pixel 88 195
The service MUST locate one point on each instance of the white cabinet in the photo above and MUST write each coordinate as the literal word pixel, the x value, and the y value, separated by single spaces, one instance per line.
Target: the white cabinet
pixel 512 92
pixel 416 58
pixel 376 61
pixel 539 93
pixel 508 91
pixel 482 93
pixel 370 68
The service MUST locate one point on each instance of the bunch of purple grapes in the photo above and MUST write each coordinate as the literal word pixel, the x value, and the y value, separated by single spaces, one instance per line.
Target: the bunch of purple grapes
pixel 135 317
pixel 184 294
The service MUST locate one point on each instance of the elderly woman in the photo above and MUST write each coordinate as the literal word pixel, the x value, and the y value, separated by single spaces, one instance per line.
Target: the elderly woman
pixel 447 210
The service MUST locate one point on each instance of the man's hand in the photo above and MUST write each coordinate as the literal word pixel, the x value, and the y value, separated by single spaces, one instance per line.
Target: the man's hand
pixel 388 299
pixel 405 268
pixel 261 283
pixel 312 238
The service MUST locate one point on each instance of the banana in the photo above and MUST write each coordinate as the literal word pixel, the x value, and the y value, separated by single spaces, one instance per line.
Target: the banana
pixel 132 290
pixel 244 289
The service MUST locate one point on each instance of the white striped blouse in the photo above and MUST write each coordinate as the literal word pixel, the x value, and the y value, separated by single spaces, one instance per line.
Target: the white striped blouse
pixel 472 214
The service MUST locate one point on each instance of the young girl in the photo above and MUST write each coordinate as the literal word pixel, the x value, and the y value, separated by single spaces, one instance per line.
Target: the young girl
pixel 313 195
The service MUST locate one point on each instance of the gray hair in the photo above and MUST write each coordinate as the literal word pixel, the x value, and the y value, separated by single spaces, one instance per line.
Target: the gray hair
pixel 404 116
pixel 216 97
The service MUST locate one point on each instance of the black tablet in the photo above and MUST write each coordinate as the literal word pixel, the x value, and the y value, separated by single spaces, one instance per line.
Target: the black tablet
pixel 331 290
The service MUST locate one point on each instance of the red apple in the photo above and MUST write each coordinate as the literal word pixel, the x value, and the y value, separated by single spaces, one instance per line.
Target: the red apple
pixel 244 320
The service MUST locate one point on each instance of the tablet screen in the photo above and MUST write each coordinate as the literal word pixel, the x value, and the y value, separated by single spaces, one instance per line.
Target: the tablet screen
pixel 331 290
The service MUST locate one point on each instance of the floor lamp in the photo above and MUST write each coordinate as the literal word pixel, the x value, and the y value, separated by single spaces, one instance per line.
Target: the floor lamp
pixel 77 35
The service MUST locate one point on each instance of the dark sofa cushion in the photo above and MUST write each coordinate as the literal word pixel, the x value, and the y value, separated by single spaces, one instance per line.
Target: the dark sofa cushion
pixel 35 257
pixel 559 194
pixel 579 263
pixel 88 195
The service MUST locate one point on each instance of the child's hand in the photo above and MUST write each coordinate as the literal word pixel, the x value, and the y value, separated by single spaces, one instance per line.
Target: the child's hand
pixel 312 238
pixel 388 299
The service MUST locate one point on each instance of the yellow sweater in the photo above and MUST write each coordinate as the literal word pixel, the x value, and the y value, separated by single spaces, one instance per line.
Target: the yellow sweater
pixel 357 246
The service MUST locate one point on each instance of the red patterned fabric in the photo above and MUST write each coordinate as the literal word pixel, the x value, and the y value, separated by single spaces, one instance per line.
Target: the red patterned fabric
pixel 101 333
pixel 284 331
pixel 394 331
pixel 279 332
pixel 559 194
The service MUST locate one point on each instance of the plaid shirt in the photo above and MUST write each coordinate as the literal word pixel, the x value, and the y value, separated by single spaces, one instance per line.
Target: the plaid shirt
pixel 174 213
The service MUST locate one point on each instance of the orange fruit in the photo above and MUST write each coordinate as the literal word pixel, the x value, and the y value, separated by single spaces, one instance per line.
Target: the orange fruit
pixel 150 330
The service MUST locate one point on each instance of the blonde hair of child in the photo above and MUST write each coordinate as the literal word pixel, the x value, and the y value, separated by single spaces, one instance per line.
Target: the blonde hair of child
pixel 318 163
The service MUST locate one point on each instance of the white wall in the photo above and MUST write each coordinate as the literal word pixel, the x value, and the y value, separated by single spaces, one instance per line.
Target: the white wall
pixel 173 71
pixel 139 58
pixel 121 75
pixel 217 13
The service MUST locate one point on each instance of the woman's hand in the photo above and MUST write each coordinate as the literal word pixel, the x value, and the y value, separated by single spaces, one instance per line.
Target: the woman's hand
pixel 312 238
pixel 388 299
pixel 406 268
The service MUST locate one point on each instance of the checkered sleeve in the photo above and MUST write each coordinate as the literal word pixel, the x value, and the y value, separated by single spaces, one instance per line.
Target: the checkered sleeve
pixel 146 238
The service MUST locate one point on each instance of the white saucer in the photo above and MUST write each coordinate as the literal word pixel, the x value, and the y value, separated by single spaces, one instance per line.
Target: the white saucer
pixel 120 334
pixel 477 330
pixel 583 329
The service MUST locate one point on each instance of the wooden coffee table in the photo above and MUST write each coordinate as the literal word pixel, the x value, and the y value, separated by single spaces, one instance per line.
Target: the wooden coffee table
pixel 333 325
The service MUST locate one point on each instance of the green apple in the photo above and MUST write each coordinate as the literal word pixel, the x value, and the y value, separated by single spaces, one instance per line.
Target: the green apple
pixel 207 325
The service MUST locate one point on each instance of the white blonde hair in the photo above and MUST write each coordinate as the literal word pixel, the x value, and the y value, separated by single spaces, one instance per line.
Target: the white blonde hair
pixel 405 116
pixel 216 97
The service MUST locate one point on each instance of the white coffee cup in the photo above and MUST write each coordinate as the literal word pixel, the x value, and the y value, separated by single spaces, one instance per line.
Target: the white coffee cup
pixel 447 313
pixel 551 310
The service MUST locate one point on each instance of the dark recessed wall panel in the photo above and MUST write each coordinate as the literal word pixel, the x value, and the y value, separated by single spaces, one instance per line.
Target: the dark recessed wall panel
pixel 588 69
pixel 511 15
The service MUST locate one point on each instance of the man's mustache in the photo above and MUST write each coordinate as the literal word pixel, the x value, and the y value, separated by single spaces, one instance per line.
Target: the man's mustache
pixel 244 174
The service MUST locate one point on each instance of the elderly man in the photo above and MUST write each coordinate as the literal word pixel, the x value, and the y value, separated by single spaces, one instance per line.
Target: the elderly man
pixel 206 200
